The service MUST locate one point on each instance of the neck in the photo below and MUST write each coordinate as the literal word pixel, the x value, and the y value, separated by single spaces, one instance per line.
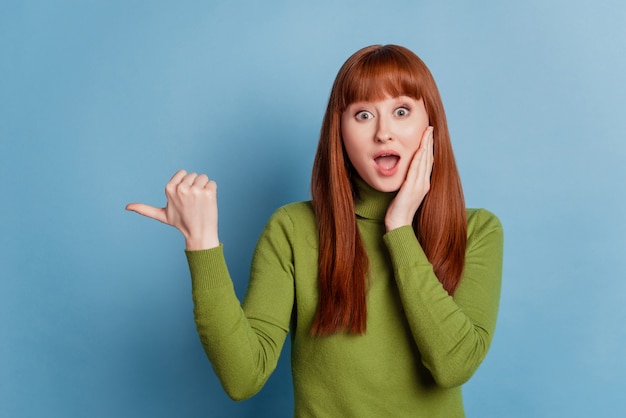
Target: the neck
pixel 371 203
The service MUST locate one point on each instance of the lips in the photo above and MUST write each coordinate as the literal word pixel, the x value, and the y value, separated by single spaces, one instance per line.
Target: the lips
pixel 386 162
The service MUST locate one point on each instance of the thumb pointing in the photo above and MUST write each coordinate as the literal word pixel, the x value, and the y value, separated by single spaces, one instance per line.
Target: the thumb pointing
pixel 148 211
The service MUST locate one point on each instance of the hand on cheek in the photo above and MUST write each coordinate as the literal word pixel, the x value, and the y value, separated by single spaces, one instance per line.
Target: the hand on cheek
pixel 415 187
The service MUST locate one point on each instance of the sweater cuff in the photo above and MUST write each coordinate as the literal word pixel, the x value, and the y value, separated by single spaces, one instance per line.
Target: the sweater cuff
pixel 208 268
pixel 404 246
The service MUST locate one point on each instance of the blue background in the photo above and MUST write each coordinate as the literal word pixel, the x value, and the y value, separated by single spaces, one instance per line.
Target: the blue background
pixel 101 102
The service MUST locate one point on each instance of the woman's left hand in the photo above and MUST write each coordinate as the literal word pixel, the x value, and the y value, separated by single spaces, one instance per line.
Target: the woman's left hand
pixel 415 187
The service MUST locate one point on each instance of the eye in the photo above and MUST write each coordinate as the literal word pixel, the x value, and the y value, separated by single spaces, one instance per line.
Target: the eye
pixel 364 115
pixel 401 111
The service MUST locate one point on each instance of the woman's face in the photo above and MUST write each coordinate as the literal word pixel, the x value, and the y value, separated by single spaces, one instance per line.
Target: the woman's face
pixel 381 138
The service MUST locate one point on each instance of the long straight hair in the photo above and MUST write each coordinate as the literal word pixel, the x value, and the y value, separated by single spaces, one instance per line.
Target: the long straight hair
pixel 440 224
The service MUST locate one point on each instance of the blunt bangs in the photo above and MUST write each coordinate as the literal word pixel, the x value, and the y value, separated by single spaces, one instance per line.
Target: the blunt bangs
pixel 383 73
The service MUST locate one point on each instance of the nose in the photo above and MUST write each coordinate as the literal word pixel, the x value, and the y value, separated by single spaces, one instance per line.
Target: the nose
pixel 383 129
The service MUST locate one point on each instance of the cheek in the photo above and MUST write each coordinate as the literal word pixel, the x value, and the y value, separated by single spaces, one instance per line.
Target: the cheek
pixel 349 145
pixel 355 157
pixel 352 137
pixel 414 137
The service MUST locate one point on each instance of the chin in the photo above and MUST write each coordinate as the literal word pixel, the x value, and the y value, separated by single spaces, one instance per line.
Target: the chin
pixel 387 186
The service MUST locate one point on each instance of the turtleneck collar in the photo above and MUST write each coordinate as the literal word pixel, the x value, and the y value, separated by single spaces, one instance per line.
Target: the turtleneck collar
pixel 371 203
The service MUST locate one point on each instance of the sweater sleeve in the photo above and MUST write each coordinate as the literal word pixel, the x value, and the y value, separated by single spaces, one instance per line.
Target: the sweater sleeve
pixel 452 334
pixel 243 343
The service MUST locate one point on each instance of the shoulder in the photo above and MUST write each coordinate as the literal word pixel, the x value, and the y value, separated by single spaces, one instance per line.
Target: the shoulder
pixel 479 217
pixel 293 216
pixel 295 212
pixel 294 222
pixel 482 223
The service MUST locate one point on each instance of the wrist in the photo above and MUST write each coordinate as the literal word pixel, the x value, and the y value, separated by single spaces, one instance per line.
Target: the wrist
pixel 206 243
pixel 391 224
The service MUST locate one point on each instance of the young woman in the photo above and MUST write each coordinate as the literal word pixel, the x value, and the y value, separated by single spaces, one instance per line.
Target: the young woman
pixel 388 285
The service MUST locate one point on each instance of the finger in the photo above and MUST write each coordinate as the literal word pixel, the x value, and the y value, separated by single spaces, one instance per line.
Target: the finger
pixel 425 144
pixel 431 143
pixel 188 179
pixel 211 185
pixel 416 162
pixel 425 151
pixel 426 137
pixel 148 211
pixel 421 164
pixel 431 150
pixel 426 155
pixel 178 176
pixel 200 181
pixel 172 185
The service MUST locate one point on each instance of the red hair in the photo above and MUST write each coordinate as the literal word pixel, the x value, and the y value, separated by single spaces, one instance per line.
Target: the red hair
pixel 440 225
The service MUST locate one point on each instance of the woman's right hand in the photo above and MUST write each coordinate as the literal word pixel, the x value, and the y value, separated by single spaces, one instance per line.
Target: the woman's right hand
pixel 191 208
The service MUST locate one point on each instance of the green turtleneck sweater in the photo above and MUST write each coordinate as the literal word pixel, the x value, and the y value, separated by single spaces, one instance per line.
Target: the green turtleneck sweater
pixel 421 344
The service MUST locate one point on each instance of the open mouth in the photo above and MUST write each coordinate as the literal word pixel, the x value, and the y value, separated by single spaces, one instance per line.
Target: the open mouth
pixel 387 161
